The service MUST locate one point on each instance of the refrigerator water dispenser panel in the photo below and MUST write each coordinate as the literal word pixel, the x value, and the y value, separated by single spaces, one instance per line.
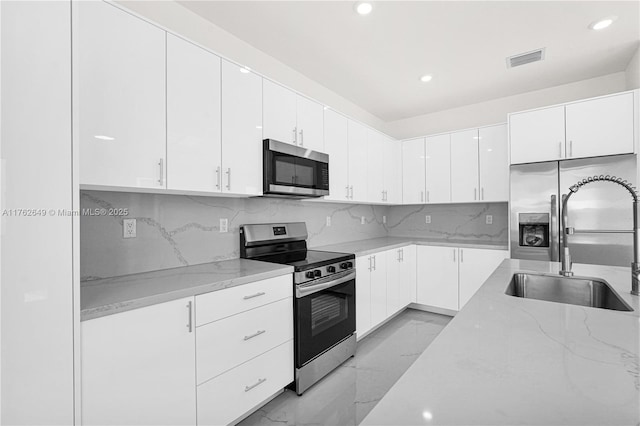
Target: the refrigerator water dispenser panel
pixel 533 229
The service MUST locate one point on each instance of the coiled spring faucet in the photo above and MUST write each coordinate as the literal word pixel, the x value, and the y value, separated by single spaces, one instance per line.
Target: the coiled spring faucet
pixel 566 256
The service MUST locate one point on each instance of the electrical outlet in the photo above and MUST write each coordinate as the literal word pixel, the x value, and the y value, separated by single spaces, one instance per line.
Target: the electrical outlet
pixel 489 219
pixel 328 220
pixel 362 220
pixel 224 224
pixel 128 228
pixel 384 219
pixel 427 219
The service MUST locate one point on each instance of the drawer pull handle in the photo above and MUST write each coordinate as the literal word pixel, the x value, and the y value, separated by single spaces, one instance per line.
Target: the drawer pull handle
pixel 254 295
pixel 256 334
pixel 259 382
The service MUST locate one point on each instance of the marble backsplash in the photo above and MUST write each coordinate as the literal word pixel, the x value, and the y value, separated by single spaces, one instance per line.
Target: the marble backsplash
pixel 180 230
pixel 451 221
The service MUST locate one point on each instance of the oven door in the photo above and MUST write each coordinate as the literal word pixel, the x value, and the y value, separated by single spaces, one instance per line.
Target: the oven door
pixel 325 314
pixel 292 170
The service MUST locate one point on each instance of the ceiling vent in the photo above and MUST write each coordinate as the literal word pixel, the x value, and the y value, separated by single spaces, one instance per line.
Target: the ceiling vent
pixel 525 58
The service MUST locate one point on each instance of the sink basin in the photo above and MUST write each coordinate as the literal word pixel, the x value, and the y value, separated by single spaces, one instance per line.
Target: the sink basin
pixel 573 290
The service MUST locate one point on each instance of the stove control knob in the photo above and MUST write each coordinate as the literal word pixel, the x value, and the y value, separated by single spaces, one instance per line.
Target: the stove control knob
pixel 331 269
pixel 349 265
pixel 346 265
pixel 309 274
pixel 317 273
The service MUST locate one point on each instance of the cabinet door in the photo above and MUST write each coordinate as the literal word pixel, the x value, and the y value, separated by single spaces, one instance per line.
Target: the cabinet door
pixel 438 169
pixel 394 281
pixel 494 163
pixel 408 274
pixel 476 266
pixel 537 135
pixel 336 145
pixel 378 288
pixel 392 171
pixel 464 166
pixel 193 117
pixel 363 295
pixel 413 171
pixel 601 126
pixel 357 161
pixel 241 131
pixel 279 107
pixel 138 367
pixel 437 272
pixel 310 124
pixel 375 167
pixel 120 63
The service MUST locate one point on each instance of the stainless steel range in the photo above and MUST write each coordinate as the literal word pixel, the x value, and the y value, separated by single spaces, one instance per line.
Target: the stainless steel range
pixel 325 292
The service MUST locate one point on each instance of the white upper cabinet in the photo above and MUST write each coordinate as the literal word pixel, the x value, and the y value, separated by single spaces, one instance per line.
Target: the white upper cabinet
pixel 357 161
pixel 291 118
pixel 438 169
pixel 119 61
pixel 413 171
pixel 392 171
pixel 464 166
pixel 310 124
pixel 602 126
pixel 336 144
pixel 537 135
pixel 241 131
pixel 193 117
pixel 279 108
pixel 375 167
pixel 494 163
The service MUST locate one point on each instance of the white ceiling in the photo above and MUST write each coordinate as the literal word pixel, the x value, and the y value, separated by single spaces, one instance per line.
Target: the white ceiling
pixel 376 61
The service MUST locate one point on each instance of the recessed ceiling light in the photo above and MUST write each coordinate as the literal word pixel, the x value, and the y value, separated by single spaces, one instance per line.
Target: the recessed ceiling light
pixel 602 23
pixel 426 78
pixel 245 70
pixel 104 138
pixel 363 8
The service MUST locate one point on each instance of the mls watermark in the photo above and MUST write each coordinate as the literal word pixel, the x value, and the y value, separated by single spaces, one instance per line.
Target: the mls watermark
pixel 65 212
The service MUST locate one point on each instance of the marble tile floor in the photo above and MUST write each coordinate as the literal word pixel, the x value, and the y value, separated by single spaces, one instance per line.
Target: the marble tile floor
pixel 350 392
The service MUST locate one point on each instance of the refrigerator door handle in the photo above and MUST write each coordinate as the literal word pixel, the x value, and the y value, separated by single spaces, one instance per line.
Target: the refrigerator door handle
pixel 555 243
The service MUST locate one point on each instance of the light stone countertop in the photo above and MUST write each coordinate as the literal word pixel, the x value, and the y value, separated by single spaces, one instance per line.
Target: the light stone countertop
pixel 374 245
pixel 506 360
pixel 112 295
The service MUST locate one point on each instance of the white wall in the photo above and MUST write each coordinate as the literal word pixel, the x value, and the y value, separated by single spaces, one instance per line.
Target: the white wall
pixel 186 23
pixel 495 111
pixel 37 269
pixel 633 72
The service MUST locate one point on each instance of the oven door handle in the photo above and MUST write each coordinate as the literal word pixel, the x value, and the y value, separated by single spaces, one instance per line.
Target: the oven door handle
pixel 305 291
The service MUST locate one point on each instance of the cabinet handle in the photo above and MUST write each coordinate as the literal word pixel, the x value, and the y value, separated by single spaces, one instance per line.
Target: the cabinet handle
pixel 570 148
pixel 256 334
pixel 482 193
pixel 262 293
pixel 369 263
pixel 229 178
pixel 301 137
pixel 259 382
pixel 295 136
pixel 374 263
pixel 422 196
pixel 427 195
pixel 398 255
pixel 454 255
pixel 347 191
pixel 351 192
pixel 218 177
pixel 161 164
pixel 461 256
pixel 190 323
pixel 560 149
pixel 402 254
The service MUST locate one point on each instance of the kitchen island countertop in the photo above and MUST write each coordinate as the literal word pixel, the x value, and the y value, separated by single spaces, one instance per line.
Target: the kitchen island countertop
pixel 505 360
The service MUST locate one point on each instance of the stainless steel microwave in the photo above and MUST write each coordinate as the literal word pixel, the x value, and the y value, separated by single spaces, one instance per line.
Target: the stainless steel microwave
pixel 291 170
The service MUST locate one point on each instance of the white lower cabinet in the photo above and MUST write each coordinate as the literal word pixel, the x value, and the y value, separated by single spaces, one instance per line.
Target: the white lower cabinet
pixel 138 367
pixel 363 295
pixel 449 276
pixel 378 288
pixel 401 278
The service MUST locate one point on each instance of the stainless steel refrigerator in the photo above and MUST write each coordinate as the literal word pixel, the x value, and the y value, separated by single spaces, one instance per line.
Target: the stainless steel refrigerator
pixel 536 199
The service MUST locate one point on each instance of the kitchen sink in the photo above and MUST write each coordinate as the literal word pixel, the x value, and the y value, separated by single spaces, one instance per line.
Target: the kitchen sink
pixel 573 290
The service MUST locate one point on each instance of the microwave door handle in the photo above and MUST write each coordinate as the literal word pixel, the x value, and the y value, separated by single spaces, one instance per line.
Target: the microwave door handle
pixel 554 229
pixel 302 291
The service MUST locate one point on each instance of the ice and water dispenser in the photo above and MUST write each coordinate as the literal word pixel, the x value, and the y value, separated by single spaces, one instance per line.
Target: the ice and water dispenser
pixel 534 229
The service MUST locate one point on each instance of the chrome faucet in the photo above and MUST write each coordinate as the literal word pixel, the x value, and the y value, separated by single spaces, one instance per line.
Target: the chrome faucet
pixel 565 255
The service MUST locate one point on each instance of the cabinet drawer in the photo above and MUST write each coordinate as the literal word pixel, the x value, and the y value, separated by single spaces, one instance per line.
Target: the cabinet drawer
pixel 224 344
pixel 229 396
pixel 224 303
